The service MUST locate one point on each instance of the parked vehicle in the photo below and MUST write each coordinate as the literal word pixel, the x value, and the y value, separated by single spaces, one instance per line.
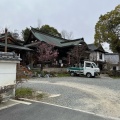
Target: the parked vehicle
pixel 89 69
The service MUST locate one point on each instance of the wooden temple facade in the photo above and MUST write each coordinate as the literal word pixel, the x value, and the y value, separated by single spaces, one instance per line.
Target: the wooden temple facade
pixel 62 45
pixel 27 49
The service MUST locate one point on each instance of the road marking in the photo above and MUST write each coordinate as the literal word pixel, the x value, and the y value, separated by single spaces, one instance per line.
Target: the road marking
pixel 54 95
pixel 7 106
pixel 99 115
pixel 23 102
pixel 30 81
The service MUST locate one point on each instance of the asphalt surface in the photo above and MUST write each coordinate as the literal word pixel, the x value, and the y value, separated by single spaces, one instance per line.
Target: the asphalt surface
pixel 96 95
pixel 103 82
pixel 70 96
pixel 40 111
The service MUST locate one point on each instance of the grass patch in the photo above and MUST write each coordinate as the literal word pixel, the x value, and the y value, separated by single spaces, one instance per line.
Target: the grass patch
pixel 63 75
pixel 41 96
pixel 115 77
pixel 23 93
pixel 29 93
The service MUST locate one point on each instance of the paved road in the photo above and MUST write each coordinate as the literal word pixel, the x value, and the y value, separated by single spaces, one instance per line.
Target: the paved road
pixel 40 111
pixel 96 95
pixel 103 82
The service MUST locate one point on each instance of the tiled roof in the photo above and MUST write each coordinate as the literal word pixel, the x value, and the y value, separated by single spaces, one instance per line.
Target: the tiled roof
pixel 15 46
pixel 56 41
pixel 111 54
pixel 93 47
pixel 15 43
pixel 9 56
pixel 9 36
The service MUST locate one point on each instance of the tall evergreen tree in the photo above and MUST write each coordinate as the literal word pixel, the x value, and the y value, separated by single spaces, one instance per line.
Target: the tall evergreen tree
pixel 107 30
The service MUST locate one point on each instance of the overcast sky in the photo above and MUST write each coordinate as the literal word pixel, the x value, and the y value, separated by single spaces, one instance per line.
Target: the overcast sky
pixel 77 16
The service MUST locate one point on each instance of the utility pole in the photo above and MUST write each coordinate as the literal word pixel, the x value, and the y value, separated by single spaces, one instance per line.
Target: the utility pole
pixel 5 39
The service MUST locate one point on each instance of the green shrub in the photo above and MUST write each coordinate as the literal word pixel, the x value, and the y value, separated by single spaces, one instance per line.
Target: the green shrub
pixel 63 74
pixel 114 73
pixel 59 74
pixel 40 96
pixel 23 93
pixel 42 73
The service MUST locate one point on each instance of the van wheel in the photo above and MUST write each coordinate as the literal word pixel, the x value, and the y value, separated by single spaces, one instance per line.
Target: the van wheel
pixel 72 74
pixel 88 75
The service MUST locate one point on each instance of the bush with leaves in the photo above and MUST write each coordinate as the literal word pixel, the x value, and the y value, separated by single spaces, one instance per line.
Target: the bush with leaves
pixel 23 92
pixel 114 73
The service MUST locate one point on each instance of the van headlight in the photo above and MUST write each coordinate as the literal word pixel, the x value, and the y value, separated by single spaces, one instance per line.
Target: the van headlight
pixel 96 70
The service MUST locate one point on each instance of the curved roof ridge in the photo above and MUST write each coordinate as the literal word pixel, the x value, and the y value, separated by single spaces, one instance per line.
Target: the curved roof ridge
pixel 47 34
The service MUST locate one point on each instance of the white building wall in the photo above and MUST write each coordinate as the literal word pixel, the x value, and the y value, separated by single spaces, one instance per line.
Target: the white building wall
pixel 117 67
pixel 98 57
pixel 113 59
pixel 93 56
pixel 103 56
pixel 7 73
pixel 8 61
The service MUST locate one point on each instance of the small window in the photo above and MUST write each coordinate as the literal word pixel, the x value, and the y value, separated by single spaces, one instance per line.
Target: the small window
pixel 94 65
pixel 100 56
pixel 88 64
pixel 114 68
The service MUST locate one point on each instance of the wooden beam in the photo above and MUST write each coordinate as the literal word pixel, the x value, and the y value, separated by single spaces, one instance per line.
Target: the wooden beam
pixel 5 39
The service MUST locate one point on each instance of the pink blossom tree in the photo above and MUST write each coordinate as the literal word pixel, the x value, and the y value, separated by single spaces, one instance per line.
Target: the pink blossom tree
pixel 46 53
pixel 77 53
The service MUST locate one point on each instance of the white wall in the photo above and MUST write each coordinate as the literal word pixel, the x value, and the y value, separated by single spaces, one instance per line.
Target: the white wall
pixel 117 67
pixel 103 57
pixel 112 58
pixel 93 56
pixel 7 73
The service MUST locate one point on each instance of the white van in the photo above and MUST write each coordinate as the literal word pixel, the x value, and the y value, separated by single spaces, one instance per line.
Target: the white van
pixel 89 69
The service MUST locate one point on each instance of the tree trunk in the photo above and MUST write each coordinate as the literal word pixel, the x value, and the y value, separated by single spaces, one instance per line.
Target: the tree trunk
pixel 42 66
pixel 31 64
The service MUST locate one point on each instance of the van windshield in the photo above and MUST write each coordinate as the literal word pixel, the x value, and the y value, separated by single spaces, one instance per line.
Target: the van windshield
pixel 94 65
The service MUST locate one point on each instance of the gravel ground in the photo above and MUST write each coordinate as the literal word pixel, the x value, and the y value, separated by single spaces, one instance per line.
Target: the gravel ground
pixel 97 95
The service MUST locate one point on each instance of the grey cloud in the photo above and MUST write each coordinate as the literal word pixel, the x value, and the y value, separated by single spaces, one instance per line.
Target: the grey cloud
pixel 78 16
